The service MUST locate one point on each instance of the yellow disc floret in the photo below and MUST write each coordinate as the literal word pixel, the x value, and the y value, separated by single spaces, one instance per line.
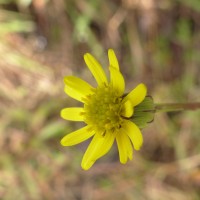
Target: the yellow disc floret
pixel 104 109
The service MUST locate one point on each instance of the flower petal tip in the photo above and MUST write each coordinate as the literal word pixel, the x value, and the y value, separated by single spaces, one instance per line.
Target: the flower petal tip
pixel 96 69
pixel 63 142
pixel 87 166
pixel 113 59
pixel 123 162
pixel 61 113
pixel 138 143
pixel 137 148
pixel 110 51
pixel 86 56
pixel 143 87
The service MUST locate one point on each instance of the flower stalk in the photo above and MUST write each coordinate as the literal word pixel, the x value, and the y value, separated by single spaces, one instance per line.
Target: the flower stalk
pixel 174 107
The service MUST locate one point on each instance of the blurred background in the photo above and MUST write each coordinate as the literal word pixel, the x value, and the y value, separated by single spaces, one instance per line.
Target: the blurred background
pixel 41 41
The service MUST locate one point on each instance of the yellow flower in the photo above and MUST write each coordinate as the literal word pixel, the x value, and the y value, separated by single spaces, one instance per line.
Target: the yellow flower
pixel 106 111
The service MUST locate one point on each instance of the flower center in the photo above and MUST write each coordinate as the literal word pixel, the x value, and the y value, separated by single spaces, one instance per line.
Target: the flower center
pixel 102 109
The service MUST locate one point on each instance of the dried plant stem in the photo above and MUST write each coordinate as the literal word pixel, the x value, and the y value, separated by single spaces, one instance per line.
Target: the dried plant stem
pixel 174 107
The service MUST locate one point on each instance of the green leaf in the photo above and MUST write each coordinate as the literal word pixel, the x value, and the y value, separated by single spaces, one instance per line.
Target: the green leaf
pixel 52 130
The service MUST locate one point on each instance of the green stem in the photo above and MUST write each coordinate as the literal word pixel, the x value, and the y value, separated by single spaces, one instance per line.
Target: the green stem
pixel 173 107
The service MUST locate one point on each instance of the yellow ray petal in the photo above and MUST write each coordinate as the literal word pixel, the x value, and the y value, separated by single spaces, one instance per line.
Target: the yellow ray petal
pixel 117 80
pixel 127 109
pixel 77 136
pixel 98 147
pixel 73 114
pixel 134 134
pixel 124 147
pixel 113 59
pixel 137 95
pixel 77 88
pixel 96 69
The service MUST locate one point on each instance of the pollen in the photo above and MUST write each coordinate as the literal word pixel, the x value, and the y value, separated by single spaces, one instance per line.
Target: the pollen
pixel 103 109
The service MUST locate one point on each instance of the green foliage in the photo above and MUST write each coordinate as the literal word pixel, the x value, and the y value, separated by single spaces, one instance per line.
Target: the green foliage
pixel 11 22
pixel 183 32
pixel 194 4
pixel 53 130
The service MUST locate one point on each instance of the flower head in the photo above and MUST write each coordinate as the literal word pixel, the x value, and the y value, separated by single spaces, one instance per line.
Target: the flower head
pixel 106 111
